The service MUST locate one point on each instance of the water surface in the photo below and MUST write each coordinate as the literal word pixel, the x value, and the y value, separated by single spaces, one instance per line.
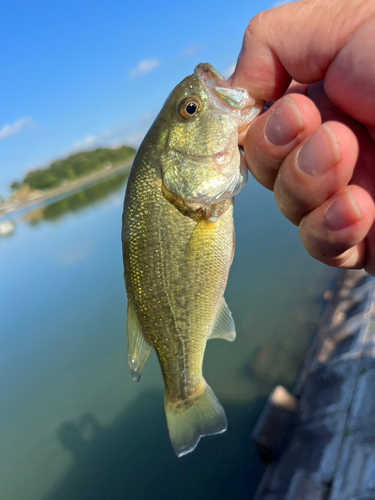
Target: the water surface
pixel 73 423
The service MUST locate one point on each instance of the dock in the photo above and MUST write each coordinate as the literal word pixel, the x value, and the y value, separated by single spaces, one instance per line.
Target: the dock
pixel 319 441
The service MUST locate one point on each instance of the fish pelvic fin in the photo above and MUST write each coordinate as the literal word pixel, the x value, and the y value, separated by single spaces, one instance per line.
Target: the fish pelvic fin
pixel 224 327
pixel 197 416
pixel 138 348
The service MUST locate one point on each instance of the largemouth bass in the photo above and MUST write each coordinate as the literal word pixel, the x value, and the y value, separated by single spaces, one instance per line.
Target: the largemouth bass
pixel 178 244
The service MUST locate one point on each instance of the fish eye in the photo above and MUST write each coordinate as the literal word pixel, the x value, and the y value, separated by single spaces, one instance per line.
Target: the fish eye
pixel 189 107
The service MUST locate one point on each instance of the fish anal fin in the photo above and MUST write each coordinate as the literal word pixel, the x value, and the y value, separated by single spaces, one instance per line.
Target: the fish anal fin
pixel 138 348
pixel 224 327
pixel 200 415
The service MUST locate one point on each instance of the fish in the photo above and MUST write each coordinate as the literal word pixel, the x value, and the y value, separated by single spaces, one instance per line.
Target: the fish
pixel 178 244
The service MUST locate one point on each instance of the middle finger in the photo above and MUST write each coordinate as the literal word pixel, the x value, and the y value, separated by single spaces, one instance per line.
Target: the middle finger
pixel 315 170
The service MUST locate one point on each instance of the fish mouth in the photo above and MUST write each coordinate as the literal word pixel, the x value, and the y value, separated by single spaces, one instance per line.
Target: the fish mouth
pixel 228 99
pixel 217 85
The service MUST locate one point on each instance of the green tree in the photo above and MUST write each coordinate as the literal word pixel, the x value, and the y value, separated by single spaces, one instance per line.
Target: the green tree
pixel 15 185
pixel 41 179
pixel 75 166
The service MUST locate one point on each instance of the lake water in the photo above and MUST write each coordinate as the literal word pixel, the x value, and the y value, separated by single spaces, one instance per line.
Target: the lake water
pixel 73 424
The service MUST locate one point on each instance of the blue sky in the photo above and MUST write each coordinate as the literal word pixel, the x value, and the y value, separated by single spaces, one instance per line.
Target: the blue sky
pixel 78 74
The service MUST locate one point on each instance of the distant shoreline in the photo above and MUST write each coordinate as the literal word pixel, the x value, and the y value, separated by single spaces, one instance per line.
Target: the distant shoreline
pixel 69 187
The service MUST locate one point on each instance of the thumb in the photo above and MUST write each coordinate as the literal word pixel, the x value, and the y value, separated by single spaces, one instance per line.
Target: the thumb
pixel 299 40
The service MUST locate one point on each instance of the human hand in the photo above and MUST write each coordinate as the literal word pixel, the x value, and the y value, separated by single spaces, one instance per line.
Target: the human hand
pixel 322 175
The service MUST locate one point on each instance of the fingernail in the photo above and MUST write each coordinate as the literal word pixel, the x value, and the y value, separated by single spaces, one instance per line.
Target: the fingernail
pixel 320 153
pixel 342 212
pixel 284 124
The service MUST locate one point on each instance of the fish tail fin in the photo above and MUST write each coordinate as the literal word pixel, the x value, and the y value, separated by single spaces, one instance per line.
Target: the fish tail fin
pixel 197 416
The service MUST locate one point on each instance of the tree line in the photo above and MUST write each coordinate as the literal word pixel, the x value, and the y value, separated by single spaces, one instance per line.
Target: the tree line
pixel 73 167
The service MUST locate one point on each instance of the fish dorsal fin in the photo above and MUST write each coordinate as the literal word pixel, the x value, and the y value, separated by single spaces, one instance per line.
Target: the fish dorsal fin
pixel 224 327
pixel 138 348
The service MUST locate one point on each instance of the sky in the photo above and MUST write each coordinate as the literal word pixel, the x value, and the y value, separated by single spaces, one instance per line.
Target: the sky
pixel 79 74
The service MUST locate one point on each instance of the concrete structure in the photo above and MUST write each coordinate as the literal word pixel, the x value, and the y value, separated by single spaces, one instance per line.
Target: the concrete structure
pixel 330 453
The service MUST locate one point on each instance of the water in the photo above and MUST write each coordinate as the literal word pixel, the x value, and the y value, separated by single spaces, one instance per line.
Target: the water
pixel 73 423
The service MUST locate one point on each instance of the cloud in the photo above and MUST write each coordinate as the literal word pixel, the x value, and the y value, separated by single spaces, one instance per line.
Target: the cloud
pixel 111 138
pixel 136 138
pixel 229 70
pixel 16 127
pixel 148 117
pixel 191 50
pixel 140 130
pixel 143 67
pixel 279 3
pixel 85 143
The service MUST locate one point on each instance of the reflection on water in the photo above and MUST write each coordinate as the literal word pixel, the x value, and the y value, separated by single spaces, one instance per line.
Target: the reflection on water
pixel 267 364
pixel 7 228
pixel 73 423
pixel 77 201
pixel 112 463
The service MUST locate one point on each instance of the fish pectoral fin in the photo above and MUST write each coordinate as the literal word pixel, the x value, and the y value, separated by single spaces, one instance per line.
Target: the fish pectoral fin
pixel 224 327
pixel 189 420
pixel 138 348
